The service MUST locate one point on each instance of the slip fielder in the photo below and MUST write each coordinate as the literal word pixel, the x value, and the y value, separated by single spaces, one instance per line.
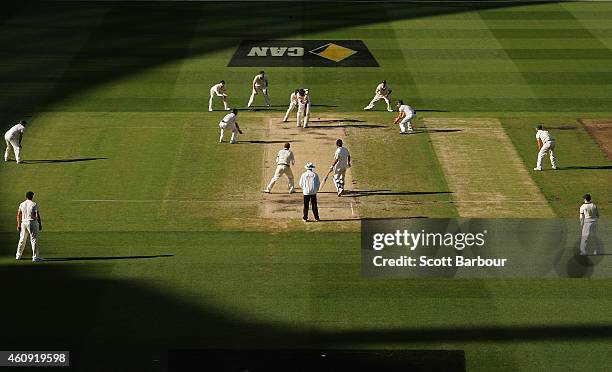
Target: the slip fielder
pixel 218 90
pixel 229 122
pixel 382 92
pixel 260 85
pixel 406 113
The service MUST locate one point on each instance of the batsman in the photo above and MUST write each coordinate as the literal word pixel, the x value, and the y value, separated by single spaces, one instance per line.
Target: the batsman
pixel 342 161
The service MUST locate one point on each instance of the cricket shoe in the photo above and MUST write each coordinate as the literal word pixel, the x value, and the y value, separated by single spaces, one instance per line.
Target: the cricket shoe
pixel 367 108
pixel 17 257
pixel 340 192
pixel 304 220
pixel 537 169
pixel 596 253
pixel 38 259
pixel 554 168
pixel 390 110
pixel 210 109
pixel 266 191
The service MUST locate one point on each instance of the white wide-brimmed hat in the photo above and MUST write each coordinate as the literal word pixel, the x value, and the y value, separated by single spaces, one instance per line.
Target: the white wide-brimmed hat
pixel 309 165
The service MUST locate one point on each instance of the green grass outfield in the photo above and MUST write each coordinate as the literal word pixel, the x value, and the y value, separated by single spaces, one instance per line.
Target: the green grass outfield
pixel 152 227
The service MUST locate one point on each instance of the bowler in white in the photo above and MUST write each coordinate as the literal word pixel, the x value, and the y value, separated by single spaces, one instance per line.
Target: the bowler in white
pixel 229 123
pixel 28 224
pixel 284 161
pixel 589 215
pixel 13 139
pixel 218 90
pixel 260 85
pixel 382 92
pixel 546 144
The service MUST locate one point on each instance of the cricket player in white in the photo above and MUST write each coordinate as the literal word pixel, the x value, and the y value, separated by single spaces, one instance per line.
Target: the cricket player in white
pixel 342 161
pixel 229 122
pixel 260 85
pixel 218 90
pixel 27 218
pixel 406 113
pixel 13 139
pixel 382 92
pixel 284 161
pixel 589 215
pixel 303 108
pixel 546 143
pixel 293 101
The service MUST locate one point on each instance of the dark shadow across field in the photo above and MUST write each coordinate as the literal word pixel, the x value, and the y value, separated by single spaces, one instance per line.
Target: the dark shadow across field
pixel 42 161
pixel 362 193
pixel 61 259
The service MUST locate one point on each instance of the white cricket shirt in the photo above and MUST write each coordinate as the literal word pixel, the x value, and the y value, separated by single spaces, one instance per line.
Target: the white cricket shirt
pixel 382 89
pixel 14 132
pixel 406 109
pixel 544 136
pixel 218 88
pixel 230 118
pixel 285 157
pixel 589 210
pixel 28 210
pixel 310 183
pixel 260 81
pixel 342 154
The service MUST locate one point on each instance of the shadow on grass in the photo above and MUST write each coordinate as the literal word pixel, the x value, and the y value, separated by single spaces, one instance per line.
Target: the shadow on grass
pixel 268 142
pixel 95 258
pixel 44 161
pixel 362 193
pixel 63 307
pixel 586 167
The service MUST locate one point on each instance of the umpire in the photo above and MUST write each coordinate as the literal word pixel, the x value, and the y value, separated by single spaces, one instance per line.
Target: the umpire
pixel 310 183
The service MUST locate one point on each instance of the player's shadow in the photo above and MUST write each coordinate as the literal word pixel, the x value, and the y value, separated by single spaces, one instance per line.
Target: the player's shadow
pixel 94 258
pixel 363 193
pixel 586 167
pixel 45 161
pixel 337 121
pixel 347 126
pixel 268 142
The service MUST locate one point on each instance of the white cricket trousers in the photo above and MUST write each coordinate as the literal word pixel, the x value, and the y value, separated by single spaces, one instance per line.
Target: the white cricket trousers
pixel 263 91
pixel 303 113
pixel 14 143
pixel 28 228
pixel 339 175
pixel 291 107
pixel 377 98
pixel 405 124
pixel 223 125
pixel 550 148
pixel 280 170
pixel 214 93
pixel 589 234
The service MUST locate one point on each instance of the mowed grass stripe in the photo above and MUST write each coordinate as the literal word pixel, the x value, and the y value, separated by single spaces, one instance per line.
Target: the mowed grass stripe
pixel 480 163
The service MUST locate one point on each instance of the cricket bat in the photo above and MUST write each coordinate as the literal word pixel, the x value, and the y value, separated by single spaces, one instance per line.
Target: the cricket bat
pixel 325 179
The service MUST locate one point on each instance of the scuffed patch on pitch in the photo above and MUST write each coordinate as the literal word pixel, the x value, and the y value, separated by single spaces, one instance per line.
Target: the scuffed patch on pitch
pixel 484 171
pixel 316 145
pixel 601 130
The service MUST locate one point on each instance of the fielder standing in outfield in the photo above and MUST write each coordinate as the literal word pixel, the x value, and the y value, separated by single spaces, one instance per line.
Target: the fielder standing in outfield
pixel 382 92
pixel 284 161
pixel 28 216
pixel 310 183
pixel 406 113
pixel 13 138
pixel 342 161
pixel 546 143
pixel 260 85
pixel 218 90
pixel 293 101
pixel 229 122
pixel 589 215
pixel 303 108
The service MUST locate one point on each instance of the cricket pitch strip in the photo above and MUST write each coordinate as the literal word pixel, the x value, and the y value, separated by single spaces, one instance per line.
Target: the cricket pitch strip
pixel 314 144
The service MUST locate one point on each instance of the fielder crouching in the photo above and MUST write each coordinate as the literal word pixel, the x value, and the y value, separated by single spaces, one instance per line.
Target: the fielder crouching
pixel 229 122
pixel 284 161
